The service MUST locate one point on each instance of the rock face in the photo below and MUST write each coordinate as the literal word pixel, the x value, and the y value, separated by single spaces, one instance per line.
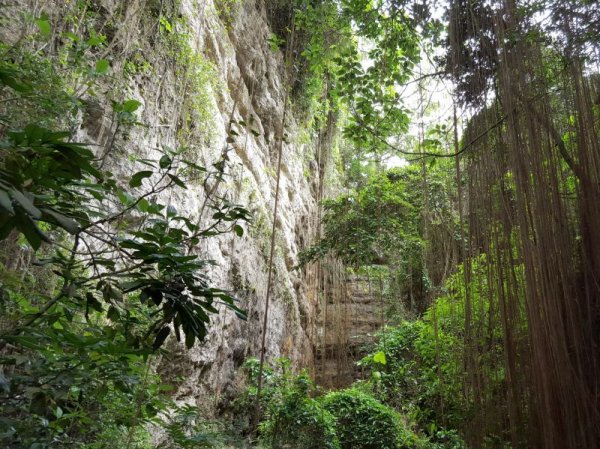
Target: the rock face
pixel 254 91
pixel 346 328
pixel 250 88
pixel 232 75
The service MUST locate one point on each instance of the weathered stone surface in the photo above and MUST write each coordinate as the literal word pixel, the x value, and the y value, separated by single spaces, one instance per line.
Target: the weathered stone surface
pixel 253 75
pixel 246 83
pixel 346 330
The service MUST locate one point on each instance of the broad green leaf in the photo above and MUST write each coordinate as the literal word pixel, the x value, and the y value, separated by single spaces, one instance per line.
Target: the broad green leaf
pixel 136 180
pixel 6 203
pixel 131 105
pixel 161 336
pixel 26 204
pixel 379 357
pixel 10 78
pixel 190 339
pixel 93 302
pixel 67 223
pixel 125 198
pixel 113 314
pixel 165 161
pixel 44 27
pixel 95 41
pixel 176 180
pixel 32 233
pixel 143 205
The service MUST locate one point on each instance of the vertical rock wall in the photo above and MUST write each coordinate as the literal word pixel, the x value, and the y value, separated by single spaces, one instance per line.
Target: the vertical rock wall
pixel 235 76
pixel 252 89
pixel 351 314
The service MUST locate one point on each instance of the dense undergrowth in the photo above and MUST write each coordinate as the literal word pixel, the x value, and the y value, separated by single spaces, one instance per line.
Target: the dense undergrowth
pixel 298 415
pixel 412 396
pixel 483 246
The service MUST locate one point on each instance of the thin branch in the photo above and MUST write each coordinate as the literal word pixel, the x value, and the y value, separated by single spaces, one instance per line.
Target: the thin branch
pixel 427 75
pixel 423 154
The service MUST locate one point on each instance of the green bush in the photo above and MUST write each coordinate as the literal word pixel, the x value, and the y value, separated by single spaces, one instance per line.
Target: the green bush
pixel 294 419
pixel 421 374
pixel 362 422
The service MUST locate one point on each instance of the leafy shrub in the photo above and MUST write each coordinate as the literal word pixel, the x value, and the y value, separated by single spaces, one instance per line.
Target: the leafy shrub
pixel 444 439
pixel 421 375
pixel 292 418
pixel 362 422
pixel 186 428
pixel 298 421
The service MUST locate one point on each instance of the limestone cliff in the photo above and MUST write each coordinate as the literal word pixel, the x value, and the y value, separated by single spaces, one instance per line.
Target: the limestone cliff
pixel 250 87
pixel 196 67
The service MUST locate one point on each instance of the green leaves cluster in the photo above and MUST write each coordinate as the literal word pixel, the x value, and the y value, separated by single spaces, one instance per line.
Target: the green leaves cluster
pixel 389 29
pixel 47 180
pixel 293 419
pixel 115 266
pixel 40 182
pixel 351 57
pixel 422 373
pixel 296 416
pixel 83 380
pixel 385 221
pixel 187 427
pixel 366 226
pixel 362 422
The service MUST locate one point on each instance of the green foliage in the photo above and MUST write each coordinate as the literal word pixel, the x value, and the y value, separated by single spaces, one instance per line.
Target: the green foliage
pixel 187 428
pixel 47 180
pixel 385 221
pixel 275 42
pixel 295 420
pixel 227 10
pixel 362 422
pixel 195 74
pixel 364 227
pixel 68 381
pixel 394 48
pixel 33 88
pixel 290 417
pixel 422 375
pixel 115 268
pixel 350 57
pixel 37 162
pixel 295 417
pixel 322 35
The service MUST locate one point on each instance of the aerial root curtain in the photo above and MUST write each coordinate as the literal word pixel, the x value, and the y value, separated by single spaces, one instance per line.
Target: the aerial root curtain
pixel 533 204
